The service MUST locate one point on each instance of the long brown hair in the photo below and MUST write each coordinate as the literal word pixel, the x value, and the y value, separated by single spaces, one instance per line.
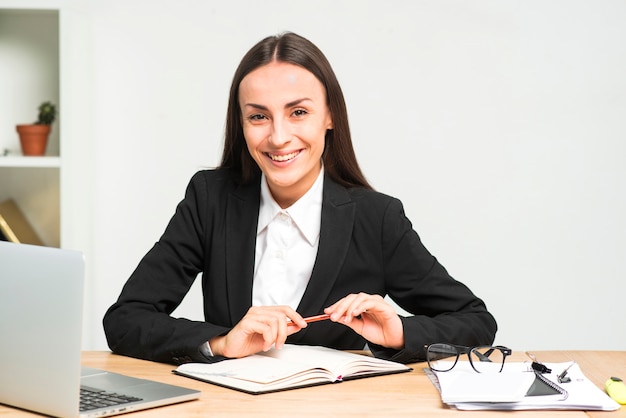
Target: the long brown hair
pixel 339 158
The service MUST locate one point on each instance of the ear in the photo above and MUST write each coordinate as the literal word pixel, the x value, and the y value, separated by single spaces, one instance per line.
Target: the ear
pixel 329 122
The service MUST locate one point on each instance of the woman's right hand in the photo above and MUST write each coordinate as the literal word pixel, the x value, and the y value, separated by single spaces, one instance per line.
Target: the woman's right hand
pixel 261 328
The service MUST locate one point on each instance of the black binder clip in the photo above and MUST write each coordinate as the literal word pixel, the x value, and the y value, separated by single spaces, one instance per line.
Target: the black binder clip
pixel 536 365
pixel 541 368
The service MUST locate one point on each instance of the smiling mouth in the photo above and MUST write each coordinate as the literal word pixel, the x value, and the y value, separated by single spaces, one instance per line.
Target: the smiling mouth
pixel 283 157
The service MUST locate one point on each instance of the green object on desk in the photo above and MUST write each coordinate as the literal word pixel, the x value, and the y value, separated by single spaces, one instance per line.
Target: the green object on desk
pixel 616 389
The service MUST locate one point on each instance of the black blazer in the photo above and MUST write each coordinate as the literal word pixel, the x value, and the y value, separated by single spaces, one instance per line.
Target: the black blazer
pixel 366 245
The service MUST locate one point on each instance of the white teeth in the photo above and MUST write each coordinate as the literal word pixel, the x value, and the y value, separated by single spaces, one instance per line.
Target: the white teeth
pixel 285 157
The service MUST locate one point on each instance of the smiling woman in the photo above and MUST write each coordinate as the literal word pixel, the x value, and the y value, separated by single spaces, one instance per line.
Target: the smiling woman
pixel 285 120
pixel 339 159
pixel 286 228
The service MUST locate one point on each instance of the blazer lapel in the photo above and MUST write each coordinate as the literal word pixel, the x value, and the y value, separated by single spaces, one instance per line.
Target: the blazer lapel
pixel 241 224
pixel 336 230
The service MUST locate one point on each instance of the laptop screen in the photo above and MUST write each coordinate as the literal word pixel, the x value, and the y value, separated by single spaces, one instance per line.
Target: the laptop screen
pixel 41 293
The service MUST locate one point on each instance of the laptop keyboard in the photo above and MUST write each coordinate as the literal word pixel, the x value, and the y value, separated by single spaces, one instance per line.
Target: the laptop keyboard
pixel 91 398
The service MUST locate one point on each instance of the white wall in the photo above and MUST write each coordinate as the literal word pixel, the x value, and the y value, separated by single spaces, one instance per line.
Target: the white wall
pixel 500 124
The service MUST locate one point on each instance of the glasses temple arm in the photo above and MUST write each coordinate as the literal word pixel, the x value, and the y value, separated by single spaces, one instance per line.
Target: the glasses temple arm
pixel 485 356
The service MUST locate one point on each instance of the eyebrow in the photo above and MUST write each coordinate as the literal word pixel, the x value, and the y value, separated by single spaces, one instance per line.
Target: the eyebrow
pixel 287 105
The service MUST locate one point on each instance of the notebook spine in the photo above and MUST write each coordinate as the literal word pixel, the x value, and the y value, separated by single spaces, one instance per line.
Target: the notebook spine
pixel 553 385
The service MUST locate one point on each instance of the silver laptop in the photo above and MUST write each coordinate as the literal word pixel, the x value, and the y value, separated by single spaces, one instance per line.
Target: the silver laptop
pixel 41 294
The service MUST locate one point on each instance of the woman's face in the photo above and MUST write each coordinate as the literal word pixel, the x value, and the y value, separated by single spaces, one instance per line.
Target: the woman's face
pixel 285 119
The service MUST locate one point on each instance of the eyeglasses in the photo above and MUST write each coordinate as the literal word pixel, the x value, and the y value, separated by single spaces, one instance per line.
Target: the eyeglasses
pixel 484 359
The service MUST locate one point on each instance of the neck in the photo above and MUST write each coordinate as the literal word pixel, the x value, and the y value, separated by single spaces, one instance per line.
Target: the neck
pixel 286 196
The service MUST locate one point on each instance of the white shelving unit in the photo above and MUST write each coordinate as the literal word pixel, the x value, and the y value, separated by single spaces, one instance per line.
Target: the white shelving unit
pixel 29 52
pixel 30 162
pixel 44 55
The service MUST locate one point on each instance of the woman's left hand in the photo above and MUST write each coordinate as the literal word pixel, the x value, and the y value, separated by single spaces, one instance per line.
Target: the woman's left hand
pixel 371 317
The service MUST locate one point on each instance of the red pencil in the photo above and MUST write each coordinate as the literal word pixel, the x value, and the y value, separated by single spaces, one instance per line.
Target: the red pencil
pixel 315 318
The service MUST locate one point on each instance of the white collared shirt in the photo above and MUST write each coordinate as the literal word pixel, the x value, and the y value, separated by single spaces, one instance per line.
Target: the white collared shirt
pixel 286 246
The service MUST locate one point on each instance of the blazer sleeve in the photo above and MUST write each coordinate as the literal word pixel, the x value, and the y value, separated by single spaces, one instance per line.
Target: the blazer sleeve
pixel 444 309
pixel 139 323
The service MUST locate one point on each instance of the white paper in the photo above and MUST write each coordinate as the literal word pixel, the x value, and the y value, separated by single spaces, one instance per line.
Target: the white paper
pixel 582 394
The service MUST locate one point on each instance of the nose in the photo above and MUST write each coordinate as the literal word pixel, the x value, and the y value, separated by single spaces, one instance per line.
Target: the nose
pixel 279 135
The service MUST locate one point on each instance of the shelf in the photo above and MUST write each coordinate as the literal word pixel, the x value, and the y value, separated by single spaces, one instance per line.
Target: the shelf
pixel 45 51
pixel 30 162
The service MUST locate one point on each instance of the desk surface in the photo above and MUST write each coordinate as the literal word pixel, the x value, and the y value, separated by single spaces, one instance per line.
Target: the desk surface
pixel 401 395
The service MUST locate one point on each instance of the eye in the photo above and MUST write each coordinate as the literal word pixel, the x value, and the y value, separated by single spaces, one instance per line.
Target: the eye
pixel 256 117
pixel 299 112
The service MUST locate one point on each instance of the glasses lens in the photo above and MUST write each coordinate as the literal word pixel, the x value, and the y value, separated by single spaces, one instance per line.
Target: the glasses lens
pixel 487 359
pixel 437 352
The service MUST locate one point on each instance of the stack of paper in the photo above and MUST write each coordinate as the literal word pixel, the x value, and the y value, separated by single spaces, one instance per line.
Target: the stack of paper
pixel 465 389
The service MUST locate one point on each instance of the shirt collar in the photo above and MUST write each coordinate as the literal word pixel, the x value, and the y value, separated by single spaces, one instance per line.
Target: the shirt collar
pixel 306 212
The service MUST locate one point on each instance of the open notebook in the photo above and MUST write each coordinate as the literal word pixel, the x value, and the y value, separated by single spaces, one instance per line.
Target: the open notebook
pixel 293 366
pixel 41 295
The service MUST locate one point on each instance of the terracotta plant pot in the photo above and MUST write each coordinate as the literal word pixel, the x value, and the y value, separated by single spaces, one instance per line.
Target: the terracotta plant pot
pixel 33 138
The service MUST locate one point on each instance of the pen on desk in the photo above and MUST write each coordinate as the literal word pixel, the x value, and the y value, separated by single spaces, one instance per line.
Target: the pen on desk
pixel 563 376
pixel 315 318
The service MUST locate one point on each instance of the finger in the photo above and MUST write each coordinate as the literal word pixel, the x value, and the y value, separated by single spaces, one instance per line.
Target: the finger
pixel 339 309
pixel 361 306
pixel 277 314
pixel 282 332
pixel 355 306
pixel 271 324
pixel 279 322
pixel 269 335
pixel 295 320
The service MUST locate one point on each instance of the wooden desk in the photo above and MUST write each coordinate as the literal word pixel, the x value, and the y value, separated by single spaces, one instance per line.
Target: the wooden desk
pixel 401 395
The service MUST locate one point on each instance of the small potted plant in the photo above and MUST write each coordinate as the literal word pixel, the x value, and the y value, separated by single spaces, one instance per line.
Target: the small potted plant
pixel 34 137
